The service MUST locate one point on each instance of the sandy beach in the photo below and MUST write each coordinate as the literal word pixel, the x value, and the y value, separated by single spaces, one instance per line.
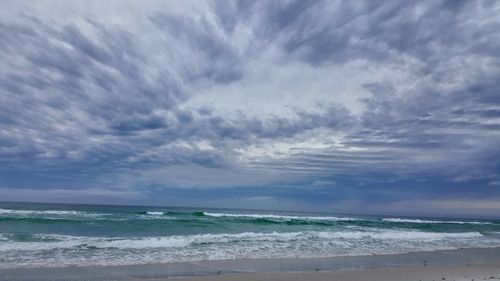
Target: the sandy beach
pixel 462 264
pixel 419 273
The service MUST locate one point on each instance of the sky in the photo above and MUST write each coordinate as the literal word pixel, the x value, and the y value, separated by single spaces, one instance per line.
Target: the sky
pixel 376 107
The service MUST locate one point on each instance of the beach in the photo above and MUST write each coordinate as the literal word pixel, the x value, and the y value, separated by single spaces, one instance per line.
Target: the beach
pixel 462 264
pixel 455 273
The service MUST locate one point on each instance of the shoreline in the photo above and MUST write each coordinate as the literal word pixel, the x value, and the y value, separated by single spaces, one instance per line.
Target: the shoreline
pixel 210 269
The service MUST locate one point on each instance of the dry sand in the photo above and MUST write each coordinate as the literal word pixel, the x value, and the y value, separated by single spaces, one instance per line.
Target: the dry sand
pixel 420 273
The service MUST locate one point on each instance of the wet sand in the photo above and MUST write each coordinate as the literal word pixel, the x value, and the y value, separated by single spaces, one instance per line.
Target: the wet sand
pixel 463 264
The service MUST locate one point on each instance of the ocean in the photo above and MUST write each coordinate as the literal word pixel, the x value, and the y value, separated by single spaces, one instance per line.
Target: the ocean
pixel 53 235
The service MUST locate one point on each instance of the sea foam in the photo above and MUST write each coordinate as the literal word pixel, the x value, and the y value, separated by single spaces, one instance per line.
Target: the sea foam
pixel 56 241
pixel 432 221
pixel 281 217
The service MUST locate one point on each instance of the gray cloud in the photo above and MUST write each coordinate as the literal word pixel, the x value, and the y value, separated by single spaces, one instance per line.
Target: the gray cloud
pixel 251 94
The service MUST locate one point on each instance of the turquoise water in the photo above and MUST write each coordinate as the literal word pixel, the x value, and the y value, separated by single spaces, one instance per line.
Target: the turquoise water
pixel 34 235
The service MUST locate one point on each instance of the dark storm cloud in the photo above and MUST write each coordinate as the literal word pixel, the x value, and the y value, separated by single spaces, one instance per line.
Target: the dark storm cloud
pixel 91 101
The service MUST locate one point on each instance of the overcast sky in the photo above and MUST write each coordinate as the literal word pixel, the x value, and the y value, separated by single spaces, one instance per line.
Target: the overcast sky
pixel 343 106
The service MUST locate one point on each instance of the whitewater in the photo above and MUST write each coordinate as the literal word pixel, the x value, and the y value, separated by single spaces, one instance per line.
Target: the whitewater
pixel 34 235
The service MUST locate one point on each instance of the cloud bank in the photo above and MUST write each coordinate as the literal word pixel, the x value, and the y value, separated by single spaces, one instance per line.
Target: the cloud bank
pixel 305 103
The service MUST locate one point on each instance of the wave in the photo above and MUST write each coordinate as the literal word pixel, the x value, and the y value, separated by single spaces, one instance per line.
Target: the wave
pixel 154 213
pixel 39 216
pixel 398 220
pixel 39 242
pixel 52 213
pixel 341 219
pixel 323 220
pixel 72 215
pixel 196 214
pixel 250 216
pixel 59 250
pixel 171 213
pixel 280 217
pixel 45 212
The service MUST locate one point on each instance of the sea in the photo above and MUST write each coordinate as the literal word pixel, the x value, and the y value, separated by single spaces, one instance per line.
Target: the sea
pixel 55 235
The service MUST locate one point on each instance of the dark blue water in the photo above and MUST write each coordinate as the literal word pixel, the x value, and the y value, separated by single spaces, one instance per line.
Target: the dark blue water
pixel 57 235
